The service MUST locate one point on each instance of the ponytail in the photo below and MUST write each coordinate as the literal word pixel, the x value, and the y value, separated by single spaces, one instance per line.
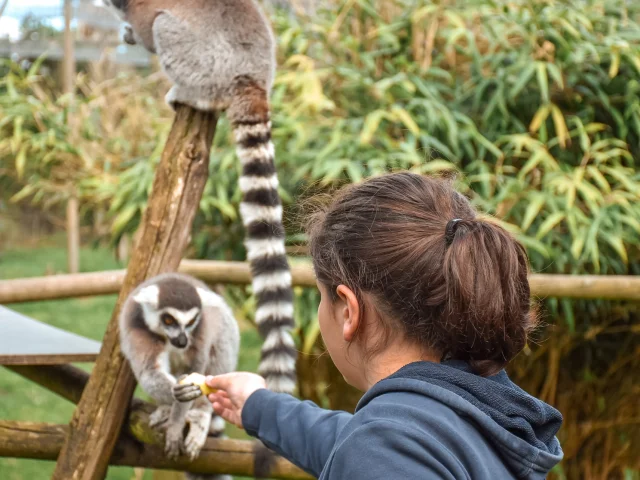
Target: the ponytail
pixel 487 314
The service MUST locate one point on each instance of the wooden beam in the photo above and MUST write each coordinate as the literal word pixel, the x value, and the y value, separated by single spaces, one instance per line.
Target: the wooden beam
pixel 177 189
pixel 65 380
pixel 611 287
pixel 238 273
pixel 608 287
pixel 235 457
pixel 57 287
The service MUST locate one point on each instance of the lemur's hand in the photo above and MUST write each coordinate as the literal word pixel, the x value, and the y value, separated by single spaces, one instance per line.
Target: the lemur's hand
pixel 185 392
pixel 233 391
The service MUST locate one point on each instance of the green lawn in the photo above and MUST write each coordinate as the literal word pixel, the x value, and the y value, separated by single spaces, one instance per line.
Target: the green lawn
pixel 23 400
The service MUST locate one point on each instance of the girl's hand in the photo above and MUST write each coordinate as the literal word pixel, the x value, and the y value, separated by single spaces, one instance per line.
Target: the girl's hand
pixel 233 391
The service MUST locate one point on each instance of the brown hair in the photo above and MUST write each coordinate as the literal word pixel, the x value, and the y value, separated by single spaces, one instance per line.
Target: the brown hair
pixel 459 288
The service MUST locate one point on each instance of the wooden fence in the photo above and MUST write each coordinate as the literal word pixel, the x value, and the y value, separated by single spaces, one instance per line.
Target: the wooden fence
pixel 620 287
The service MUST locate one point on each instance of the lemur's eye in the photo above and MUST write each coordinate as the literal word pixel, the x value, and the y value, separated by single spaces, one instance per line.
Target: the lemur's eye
pixel 193 321
pixel 167 319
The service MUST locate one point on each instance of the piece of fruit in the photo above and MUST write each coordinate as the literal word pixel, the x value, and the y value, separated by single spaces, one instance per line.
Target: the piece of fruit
pixel 199 380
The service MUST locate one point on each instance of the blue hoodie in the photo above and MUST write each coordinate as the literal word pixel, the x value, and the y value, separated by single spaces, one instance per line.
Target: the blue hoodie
pixel 426 421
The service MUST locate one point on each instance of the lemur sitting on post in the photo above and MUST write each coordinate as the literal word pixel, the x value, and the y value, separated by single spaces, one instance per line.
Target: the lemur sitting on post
pixel 170 326
pixel 220 55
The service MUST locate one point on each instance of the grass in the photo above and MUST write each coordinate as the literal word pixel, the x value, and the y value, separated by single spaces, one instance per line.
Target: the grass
pixel 26 401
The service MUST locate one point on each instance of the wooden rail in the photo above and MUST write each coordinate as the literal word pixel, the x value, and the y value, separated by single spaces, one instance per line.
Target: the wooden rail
pixel 235 457
pixel 613 287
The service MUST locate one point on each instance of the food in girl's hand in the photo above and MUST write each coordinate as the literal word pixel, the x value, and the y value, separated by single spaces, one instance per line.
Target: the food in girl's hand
pixel 199 380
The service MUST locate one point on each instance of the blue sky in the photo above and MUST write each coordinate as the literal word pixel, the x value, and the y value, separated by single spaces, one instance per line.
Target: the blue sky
pixel 17 9
pixel 19 5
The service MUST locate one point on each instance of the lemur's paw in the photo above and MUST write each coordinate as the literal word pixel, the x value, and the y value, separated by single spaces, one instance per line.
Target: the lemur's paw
pixel 193 443
pixel 198 430
pixel 173 441
pixel 186 393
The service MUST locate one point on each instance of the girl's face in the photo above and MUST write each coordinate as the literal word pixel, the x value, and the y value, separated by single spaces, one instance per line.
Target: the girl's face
pixel 339 320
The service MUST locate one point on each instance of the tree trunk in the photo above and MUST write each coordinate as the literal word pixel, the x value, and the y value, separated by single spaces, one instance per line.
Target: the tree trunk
pixel 177 189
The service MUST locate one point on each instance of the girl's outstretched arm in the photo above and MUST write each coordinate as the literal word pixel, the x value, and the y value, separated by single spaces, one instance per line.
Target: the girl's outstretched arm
pixel 298 430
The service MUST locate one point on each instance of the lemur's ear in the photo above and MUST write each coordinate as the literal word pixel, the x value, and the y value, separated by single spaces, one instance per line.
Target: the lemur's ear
pixel 209 298
pixel 148 296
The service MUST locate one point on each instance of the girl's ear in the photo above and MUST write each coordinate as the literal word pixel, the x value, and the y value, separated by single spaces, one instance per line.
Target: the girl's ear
pixel 349 313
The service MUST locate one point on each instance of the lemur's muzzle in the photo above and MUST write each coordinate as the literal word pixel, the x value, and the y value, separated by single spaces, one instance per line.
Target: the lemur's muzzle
pixel 180 341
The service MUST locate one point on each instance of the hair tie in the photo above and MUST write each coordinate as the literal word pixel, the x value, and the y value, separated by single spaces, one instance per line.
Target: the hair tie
pixel 450 230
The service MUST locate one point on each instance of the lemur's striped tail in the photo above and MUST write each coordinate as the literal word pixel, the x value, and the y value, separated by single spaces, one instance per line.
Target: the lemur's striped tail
pixel 261 212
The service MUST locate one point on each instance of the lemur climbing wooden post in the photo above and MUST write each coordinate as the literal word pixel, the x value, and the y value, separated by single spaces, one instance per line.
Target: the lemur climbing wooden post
pixel 178 185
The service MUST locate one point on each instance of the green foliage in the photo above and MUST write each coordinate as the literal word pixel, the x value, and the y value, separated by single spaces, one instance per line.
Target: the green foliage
pixel 36 156
pixel 52 147
pixel 535 106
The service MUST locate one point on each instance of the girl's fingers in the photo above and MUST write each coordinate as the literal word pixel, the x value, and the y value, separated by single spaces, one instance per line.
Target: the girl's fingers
pixel 216 397
pixel 230 416
pixel 221 382
pixel 226 403
pixel 222 394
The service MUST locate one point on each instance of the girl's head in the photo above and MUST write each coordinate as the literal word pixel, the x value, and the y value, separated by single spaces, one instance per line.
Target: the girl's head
pixel 403 262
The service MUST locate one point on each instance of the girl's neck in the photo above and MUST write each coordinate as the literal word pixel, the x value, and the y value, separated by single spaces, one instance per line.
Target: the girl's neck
pixel 393 359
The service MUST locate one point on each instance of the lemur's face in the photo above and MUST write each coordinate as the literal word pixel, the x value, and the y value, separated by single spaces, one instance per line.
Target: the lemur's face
pixel 174 313
pixel 177 325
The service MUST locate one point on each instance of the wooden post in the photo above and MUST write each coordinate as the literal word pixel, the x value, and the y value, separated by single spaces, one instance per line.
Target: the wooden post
pixel 178 185
pixel 68 81
pixel 73 235
pixel 69 61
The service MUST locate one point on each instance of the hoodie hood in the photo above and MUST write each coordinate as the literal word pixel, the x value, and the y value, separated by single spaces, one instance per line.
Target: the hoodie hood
pixel 521 427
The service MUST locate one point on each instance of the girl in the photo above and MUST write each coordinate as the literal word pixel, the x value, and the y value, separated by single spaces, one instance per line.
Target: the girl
pixel 422 306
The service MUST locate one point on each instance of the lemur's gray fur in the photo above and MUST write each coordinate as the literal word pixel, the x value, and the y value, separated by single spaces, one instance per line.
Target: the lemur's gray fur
pixel 220 55
pixel 173 325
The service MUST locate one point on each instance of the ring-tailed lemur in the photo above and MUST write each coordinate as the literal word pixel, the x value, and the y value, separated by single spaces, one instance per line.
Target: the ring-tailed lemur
pixel 220 55
pixel 173 325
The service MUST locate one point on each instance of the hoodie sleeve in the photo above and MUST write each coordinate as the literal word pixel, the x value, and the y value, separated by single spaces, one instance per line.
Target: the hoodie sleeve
pixel 300 431
pixel 385 449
